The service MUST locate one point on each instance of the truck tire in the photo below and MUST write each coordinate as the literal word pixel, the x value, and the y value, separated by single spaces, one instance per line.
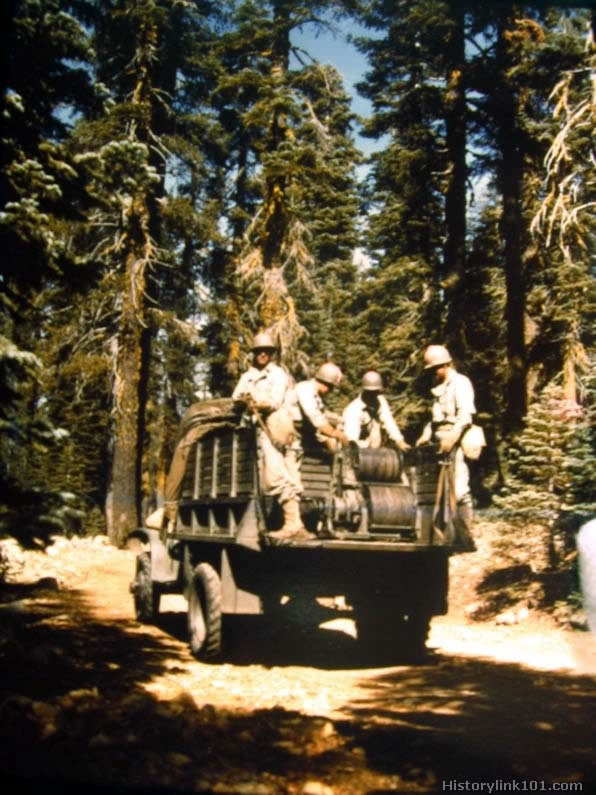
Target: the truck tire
pixel 204 613
pixel 413 632
pixel 387 636
pixel 145 592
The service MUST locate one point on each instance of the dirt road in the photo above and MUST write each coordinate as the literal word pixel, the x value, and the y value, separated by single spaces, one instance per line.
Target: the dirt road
pixel 95 700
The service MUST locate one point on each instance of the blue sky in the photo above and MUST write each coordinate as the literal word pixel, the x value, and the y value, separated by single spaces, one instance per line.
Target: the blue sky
pixel 335 49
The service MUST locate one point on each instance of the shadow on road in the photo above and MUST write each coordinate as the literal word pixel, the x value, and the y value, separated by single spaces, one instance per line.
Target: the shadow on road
pixel 74 708
pixel 478 720
pixel 292 639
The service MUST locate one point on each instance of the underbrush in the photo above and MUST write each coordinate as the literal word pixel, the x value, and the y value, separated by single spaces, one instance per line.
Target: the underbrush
pixel 517 570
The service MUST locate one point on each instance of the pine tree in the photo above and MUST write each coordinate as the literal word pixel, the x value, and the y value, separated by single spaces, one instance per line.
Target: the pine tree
pixel 289 128
pixel 145 231
pixel 580 460
pixel 537 482
pixel 329 199
pixel 29 510
pixel 46 56
pixel 565 221
pixel 399 307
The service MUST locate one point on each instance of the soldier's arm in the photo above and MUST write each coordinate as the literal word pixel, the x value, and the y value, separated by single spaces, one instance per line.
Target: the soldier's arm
pixel 390 426
pixel 351 418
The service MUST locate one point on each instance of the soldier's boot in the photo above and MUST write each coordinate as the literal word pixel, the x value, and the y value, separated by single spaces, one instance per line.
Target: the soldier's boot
pixel 170 514
pixel 464 540
pixel 292 529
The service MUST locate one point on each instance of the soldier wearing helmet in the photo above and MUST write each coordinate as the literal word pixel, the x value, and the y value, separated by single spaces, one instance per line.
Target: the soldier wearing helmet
pixel 315 425
pixel 265 382
pixel 369 415
pixel 268 390
pixel 452 413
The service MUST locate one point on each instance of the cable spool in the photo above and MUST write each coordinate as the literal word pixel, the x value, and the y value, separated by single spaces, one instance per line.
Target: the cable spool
pixel 382 465
pixel 390 507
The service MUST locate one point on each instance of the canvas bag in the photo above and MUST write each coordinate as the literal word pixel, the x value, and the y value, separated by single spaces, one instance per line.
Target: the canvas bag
pixel 472 442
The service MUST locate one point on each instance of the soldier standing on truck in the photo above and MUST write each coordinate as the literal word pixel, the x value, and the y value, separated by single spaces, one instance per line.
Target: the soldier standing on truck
pixel 452 413
pixel 315 425
pixel 268 391
pixel 369 415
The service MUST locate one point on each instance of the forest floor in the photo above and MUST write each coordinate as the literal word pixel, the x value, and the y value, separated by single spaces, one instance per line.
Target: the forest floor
pixel 93 701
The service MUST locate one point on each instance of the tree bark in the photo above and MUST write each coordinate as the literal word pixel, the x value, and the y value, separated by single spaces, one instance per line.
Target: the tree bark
pixel 131 368
pixel 510 170
pixel 128 381
pixel 455 195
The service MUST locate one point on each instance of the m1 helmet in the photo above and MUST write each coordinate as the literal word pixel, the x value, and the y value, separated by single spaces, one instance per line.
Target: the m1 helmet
pixel 263 340
pixel 372 381
pixel 435 356
pixel 329 374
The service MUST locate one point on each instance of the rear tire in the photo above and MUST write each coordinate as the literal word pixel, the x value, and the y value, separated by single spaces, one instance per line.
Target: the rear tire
pixel 145 592
pixel 388 636
pixel 413 631
pixel 204 613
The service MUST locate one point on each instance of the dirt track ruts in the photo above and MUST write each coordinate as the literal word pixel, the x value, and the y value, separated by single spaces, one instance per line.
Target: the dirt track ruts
pixel 99 699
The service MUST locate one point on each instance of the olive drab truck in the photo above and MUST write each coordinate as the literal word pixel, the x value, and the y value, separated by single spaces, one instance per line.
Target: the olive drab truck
pixel 383 537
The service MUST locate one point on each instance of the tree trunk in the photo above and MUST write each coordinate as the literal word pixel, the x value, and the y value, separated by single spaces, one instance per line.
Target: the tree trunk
pixel 510 177
pixel 455 196
pixel 128 382
pixel 130 378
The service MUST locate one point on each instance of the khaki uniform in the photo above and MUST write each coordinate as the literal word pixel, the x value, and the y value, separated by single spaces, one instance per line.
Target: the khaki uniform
pixel 271 389
pixel 453 409
pixel 309 413
pixel 365 427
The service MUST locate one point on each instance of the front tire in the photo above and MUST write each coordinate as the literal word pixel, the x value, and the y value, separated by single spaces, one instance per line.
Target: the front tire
pixel 204 612
pixel 146 593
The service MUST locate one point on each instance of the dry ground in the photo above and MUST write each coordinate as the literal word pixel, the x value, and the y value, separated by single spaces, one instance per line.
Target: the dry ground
pixel 94 701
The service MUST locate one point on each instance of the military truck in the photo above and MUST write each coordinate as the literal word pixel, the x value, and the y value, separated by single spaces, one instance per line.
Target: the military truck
pixel 383 537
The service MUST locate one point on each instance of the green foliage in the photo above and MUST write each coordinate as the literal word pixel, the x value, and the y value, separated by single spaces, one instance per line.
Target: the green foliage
pixel 47 77
pixel 205 133
pixel 29 510
pixel 551 464
pixel 580 454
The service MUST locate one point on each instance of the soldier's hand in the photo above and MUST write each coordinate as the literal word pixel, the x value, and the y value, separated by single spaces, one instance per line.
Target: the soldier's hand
pixel 403 445
pixel 448 442
pixel 425 436
pixel 342 438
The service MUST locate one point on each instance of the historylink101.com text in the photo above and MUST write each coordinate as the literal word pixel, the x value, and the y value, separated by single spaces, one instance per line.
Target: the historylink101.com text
pixel 510 785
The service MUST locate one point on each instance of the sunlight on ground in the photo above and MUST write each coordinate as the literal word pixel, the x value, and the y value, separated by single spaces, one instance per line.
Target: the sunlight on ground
pixel 550 651
pixel 345 625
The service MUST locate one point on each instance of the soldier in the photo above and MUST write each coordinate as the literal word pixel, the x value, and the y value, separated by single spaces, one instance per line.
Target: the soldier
pixel 268 391
pixel 369 414
pixel 451 414
pixel 316 428
pixel 586 547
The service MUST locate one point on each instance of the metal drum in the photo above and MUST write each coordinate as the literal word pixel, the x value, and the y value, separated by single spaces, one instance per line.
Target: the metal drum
pixel 390 507
pixel 382 465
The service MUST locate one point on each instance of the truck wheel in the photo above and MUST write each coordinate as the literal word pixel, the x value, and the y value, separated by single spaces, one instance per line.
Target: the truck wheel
pixel 389 637
pixel 414 633
pixel 204 612
pixel 373 629
pixel 145 592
